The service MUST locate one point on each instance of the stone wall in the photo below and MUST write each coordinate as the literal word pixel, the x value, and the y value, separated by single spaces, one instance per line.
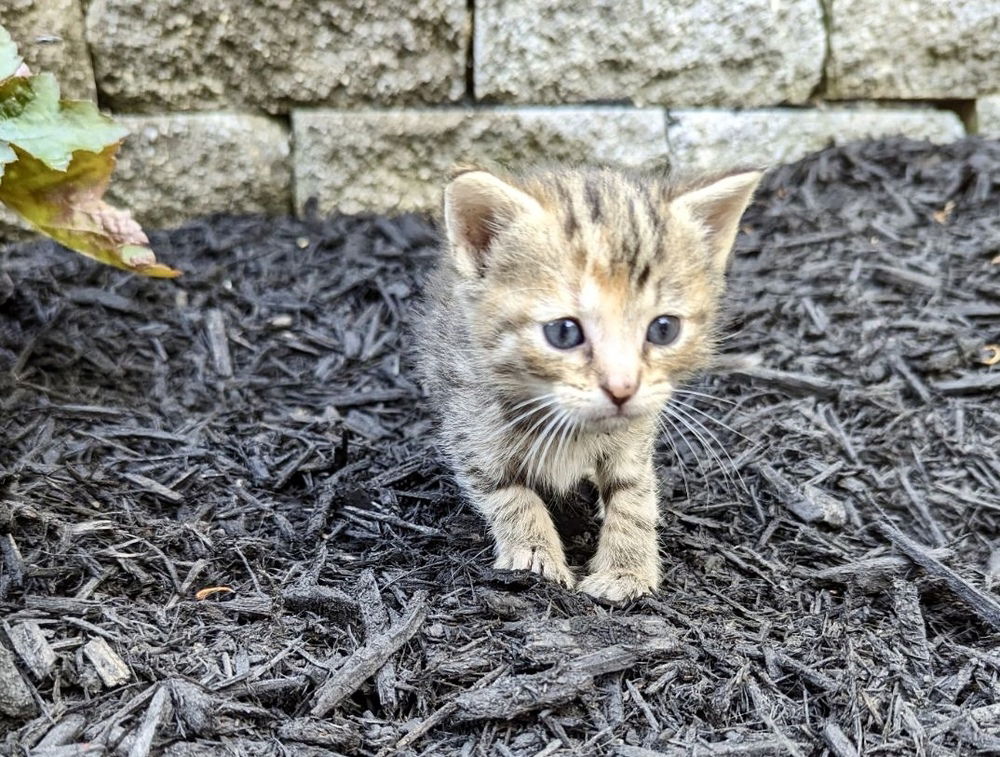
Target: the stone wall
pixel 259 105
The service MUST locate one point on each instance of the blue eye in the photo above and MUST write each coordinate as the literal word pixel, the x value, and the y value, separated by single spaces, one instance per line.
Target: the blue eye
pixel 664 330
pixel 564 333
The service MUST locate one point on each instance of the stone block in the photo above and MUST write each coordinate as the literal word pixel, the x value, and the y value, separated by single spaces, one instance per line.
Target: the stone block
pixel 272 54
pixel 988 116
pixel 913 49
pixel 390 161
pixel 13 228
pixel 720 139
pixel 175 167
pixel 684 52
pixel 49 36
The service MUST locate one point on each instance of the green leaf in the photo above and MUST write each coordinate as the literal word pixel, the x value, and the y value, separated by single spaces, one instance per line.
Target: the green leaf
pixel 10 61
pixel 33 119
pixel 68 206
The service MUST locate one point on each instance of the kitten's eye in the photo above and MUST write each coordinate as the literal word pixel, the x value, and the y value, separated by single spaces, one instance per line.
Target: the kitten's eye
pixel 564 333
pixel 664 330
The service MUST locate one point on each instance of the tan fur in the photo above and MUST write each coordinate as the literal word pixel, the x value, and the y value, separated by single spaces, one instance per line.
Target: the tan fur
pixel 520 419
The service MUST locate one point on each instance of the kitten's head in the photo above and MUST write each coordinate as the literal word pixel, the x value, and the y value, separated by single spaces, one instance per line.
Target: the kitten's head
pixel 592 292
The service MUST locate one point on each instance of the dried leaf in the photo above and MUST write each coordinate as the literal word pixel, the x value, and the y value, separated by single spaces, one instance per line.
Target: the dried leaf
pixel 209 591
pixel 56 157
pixel 68 206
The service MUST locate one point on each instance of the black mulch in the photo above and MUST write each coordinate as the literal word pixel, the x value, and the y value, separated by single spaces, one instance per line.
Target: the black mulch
pixel 222 530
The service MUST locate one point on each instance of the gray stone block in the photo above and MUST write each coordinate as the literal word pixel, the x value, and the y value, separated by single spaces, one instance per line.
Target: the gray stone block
pixel 722 139
pixel 49 36
pixel 172 168
pixel 684 52
pixel 272 54
pixel 392 161
pixel 913 49
pixel 988 116
pixel 12 227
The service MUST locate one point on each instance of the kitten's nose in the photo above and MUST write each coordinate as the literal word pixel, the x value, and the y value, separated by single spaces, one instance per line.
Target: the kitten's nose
pixel 620 391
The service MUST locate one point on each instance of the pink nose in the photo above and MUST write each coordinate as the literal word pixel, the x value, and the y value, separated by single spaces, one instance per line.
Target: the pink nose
pixel 620 391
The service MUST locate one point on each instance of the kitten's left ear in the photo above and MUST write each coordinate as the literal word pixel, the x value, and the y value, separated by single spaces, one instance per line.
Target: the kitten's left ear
pixel 718 208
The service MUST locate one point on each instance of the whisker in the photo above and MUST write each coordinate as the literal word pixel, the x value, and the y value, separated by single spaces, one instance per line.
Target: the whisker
pixel 745 331
pixel 533 400
pixel 566 435
pixel 712 418
pixel 546 422
pixel 564 417
pixel 553 430
pixel 710 397
pixel 549 412
pixel 528 413
pixel 721 447
pixel 681 465
pixel 702 471
pixel 705 445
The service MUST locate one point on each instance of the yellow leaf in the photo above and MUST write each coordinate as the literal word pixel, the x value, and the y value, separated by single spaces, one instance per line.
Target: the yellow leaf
pixel 69 207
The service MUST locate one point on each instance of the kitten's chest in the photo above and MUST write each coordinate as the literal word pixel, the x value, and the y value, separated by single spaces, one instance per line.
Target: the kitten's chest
pixel 562 468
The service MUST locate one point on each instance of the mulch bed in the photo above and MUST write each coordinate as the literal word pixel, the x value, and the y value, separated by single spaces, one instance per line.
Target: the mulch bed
pixel 223 529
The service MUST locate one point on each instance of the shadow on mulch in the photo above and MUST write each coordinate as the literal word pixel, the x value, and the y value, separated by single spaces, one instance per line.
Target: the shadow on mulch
pixel 830 513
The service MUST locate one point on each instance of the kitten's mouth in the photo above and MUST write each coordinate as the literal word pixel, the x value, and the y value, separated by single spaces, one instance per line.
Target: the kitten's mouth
pixel 617 417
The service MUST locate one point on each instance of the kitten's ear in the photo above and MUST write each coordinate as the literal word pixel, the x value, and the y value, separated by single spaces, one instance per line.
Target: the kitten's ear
pixel 718 207
pixel 477 206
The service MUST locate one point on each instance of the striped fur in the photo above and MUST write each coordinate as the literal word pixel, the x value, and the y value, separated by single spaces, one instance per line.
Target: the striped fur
pixel 519 418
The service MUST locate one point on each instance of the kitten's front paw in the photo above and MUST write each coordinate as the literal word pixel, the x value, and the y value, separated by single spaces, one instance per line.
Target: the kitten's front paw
pixel 548 562
pixel 617 586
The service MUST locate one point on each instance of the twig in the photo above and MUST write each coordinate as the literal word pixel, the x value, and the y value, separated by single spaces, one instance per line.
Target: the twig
pixel 155 487
pixel 519 694
pixel 445 711
pixel 808 502
pixel 376 620
pixel 794 383
pixel 838 742
pixel 980 603
pixel 159 710
pixel 392 520
pixel 366 660
pixel 760 703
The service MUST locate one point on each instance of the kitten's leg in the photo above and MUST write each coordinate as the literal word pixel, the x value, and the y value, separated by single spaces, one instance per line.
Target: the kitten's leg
pixel 525 536
pixel 627 563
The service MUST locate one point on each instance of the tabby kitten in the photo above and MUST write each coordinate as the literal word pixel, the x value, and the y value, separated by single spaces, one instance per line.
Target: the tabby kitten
pixel 566 308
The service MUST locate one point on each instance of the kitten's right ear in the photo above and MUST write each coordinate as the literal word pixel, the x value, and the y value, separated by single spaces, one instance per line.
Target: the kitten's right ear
pixel 477 207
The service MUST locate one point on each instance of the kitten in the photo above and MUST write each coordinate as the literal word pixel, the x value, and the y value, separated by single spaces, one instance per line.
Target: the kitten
pixel 565 309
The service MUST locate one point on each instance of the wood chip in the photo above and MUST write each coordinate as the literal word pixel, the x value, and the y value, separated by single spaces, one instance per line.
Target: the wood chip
pixel 16 700
pixel 32 647
pixel 110 667
pixel 215 326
